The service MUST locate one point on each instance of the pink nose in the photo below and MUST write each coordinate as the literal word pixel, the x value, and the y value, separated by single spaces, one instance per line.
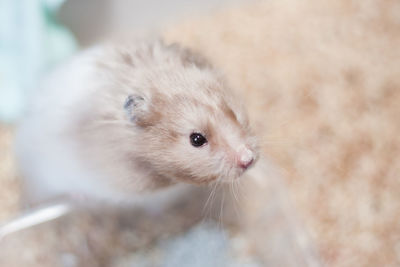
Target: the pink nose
pixel 245 164
pixel 245 158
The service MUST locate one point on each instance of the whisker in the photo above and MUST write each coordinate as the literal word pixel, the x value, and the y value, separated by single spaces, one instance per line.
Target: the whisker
pixel 236 202
pixel 242 192
pixel 219 187
pixel 221 211
pixel 212 192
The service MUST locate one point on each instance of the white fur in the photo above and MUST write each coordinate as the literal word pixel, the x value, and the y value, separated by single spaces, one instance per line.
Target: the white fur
pixel 46 154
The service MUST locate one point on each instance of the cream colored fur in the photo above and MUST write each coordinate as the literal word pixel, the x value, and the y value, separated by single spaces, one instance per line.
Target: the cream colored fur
pixel 78 140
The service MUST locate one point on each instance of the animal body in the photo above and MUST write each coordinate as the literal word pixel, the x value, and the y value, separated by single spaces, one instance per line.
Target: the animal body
pixel 121 120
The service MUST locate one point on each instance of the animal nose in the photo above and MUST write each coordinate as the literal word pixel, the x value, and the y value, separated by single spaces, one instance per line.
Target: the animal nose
pixel 245 158
pixel 245 164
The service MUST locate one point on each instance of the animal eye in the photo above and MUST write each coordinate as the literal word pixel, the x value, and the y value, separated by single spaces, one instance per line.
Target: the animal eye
pixel 197 139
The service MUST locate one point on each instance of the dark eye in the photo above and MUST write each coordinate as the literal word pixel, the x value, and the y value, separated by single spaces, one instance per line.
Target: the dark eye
pixel 197 139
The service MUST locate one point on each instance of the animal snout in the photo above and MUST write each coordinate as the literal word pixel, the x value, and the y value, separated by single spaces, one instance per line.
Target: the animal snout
pixel 245 158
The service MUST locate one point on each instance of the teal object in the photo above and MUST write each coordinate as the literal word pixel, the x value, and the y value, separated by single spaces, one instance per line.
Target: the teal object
pixel 31 41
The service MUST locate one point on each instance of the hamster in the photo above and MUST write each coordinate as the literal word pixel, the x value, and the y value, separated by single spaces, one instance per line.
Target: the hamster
pixel 119 120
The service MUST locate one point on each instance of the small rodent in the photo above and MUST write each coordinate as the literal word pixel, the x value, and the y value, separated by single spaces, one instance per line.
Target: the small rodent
pixel 119 120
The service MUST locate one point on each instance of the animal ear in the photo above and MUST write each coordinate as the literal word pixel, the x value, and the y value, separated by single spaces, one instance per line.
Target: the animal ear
pixel 135 107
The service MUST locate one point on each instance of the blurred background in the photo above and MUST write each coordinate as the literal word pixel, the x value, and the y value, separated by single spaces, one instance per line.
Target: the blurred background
pixel 35 35
pixel 321 80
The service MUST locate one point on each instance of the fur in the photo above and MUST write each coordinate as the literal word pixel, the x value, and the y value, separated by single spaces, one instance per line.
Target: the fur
pixel 91 146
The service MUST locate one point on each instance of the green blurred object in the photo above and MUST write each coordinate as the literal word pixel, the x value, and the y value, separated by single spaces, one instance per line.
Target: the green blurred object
pixel 31 41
